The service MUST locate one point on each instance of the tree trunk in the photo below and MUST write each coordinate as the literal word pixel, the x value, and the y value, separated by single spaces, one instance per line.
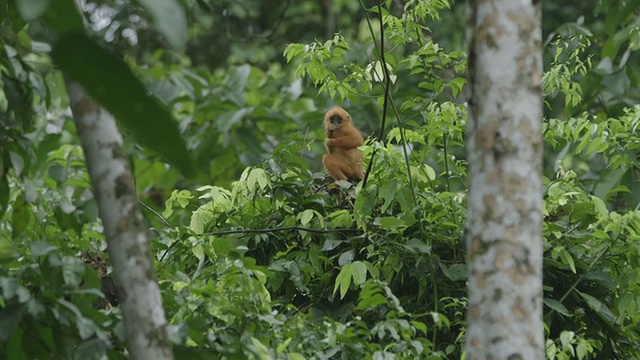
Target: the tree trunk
pixel 504 145
pixel 137 289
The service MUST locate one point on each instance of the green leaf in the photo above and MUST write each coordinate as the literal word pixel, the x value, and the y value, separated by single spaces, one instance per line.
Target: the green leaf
pixel 431 173
pixel 583 349
pixel 181 198
pixel 293 50
pixel 365 202
pixel 417 246
pixel 601 277
pixel 373 270
pixel 405 198
pixel 627 304
pixel 330 244
pixel 4 194
pixel 10 289
pixel 170 19
pixel 305 216
pixel 295 356
pixel 600 206
pixel 346 257
pixel 198 252
pixel 343 280
pixel 551 349
pixel 598 306
pixel 557 306
pixel 568 259
pixel 260 349
pixel 32 9
pixel 186 353
pixel 110 82
pixel 226 120
pixel 419 326
pixel 565 339
pixel 358 272
pixel 390 222
pixel 63 16
pixel 92 349
pixel 282 347
pixel 199 219
pixel 456 272
pixel 387 193
pixel 340 218
pixel 372 301
pixel 21 216
pixel 14 345
pixel 72 271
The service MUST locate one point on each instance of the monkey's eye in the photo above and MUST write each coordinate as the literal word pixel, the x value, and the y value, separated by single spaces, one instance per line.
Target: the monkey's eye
pixel 335 119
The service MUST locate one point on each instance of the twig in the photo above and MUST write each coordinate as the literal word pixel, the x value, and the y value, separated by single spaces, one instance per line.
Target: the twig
pixel 284 228
pixel 162 219
pixel 385 103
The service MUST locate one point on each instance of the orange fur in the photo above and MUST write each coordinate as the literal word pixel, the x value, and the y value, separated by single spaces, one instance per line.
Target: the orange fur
pixel 343 160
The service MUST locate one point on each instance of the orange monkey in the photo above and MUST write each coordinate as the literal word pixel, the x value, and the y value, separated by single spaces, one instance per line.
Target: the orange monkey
pixel 343 160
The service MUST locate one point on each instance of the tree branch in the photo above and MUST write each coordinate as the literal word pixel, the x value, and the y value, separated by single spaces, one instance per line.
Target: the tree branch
pixel 284 228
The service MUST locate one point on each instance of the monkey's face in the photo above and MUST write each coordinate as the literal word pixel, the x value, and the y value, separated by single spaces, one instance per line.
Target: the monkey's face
pixel 335 118
pixel 334 122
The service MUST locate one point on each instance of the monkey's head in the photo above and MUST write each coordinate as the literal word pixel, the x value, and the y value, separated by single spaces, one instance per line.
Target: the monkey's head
pixel 335 117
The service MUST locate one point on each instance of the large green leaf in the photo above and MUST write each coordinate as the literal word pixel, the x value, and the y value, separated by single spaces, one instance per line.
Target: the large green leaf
pixel 170 20
pixel 63 16
pixel 109 81
pixel 599 307
pixel 31 9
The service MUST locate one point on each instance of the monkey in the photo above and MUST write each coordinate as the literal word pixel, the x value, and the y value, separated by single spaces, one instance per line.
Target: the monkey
pixel 343 160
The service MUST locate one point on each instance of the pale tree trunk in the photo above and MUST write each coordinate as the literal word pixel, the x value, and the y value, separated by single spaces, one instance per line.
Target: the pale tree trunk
pixel 504 145
pixel 137 289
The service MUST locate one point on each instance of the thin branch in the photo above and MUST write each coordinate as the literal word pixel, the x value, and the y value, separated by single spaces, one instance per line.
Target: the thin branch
pixel 263 231
pixel 162 219
pixel 387 87
pixel 278 229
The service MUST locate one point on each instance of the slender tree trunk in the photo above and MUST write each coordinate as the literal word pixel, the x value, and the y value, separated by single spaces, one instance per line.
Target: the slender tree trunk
pixel 504 237
pixel 137 289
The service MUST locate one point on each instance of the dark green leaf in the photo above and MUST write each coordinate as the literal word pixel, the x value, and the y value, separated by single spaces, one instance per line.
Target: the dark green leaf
pixel 109 81
pixel 40 248
pixel 598 306
pixel 14 345
pixel 457 272
pixel 417 246
pixel 346 257
pixel 32 9
pixel 170 19
pixel 331 244
pixel 557 306
pixel 371 301
pixel 21 216
pixel 389 222
pixel 602 278
pixel 4 195
pixel 63 16
pixel 10 318
pixel 94 349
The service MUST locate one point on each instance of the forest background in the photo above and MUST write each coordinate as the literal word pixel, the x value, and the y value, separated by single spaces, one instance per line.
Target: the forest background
pixel 256 256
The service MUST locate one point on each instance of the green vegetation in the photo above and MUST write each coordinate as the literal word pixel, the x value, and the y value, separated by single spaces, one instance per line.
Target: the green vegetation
pixel 258 255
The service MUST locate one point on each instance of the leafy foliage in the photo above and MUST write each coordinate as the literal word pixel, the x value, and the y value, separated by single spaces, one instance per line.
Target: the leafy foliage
pixel 261 256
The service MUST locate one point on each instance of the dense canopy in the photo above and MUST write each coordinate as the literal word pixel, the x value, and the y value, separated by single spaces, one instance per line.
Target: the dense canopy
pixel 257 253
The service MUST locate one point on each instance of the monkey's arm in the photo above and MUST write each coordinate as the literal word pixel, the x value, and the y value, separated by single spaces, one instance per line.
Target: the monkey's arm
pixel 328 146
pixel 349 141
